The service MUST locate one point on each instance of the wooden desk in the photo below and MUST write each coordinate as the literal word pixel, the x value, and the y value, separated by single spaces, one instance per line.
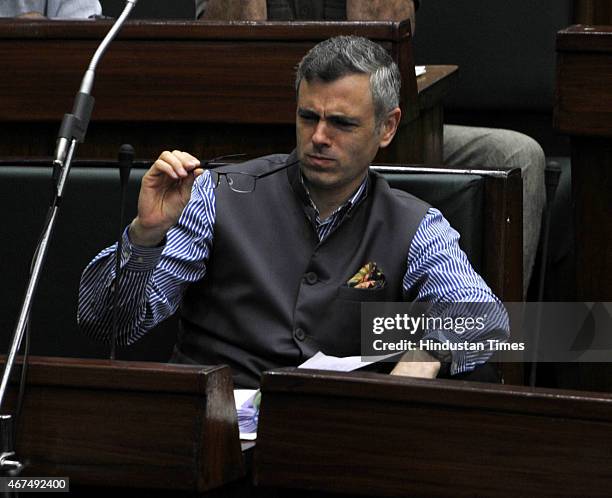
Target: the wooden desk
pixel 425 132
pixel 583 110
pixel 592 12
pixel 129 424
pixel 372 434
pixel 208 87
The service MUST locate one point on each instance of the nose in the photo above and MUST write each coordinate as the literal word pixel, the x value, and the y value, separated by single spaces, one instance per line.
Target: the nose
pixel 321 136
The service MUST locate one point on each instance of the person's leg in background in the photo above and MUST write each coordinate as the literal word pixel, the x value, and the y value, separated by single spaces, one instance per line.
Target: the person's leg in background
pixel 488 148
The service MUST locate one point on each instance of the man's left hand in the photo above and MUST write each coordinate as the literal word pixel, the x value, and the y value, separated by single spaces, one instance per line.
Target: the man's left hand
pixel 417 364
pixel 31 15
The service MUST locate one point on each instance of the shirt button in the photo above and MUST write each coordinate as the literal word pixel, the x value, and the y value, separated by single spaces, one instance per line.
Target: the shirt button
pixel 139 259
pixel 311 277
pixel 299 334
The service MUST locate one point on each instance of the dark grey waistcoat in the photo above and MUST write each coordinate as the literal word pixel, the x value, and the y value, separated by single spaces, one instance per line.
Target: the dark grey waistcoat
pixel 273 295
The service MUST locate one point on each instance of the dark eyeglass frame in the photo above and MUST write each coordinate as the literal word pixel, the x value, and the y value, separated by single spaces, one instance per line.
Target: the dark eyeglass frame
pixel 236 178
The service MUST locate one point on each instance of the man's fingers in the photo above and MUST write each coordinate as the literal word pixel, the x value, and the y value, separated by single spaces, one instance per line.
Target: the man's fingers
pixel 175 164
pixel 189 162
pixel 161 166
pixel 186 162
pixel 180 162
pixel 174 160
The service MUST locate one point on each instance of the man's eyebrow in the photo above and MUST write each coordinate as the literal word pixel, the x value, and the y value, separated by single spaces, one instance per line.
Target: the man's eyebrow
pixel 339 119
pixel 343 119
pixel 307 113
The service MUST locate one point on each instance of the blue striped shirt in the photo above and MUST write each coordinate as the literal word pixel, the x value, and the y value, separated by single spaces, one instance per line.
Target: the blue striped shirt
pixel 154 279
pixel 60 9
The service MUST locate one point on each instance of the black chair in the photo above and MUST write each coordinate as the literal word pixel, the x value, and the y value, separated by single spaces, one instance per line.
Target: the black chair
pixel 484 206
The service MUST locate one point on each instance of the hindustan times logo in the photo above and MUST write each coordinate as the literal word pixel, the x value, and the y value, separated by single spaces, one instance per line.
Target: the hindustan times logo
pixel 446 346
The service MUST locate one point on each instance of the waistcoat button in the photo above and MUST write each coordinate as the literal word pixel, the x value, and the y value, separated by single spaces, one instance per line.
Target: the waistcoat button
pixel 299 334
pixel 311 277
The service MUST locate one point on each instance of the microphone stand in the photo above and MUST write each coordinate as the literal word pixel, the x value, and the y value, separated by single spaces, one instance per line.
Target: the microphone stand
pixel 126 156
pixel 72 131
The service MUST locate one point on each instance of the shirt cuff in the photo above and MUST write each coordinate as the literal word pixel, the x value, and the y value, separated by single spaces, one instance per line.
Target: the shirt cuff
pixel 140 258
pixel 459 359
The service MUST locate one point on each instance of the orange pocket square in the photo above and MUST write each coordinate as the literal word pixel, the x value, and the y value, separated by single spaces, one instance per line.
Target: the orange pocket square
pixel 369 276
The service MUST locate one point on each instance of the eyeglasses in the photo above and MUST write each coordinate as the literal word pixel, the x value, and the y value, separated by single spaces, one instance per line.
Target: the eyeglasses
pixel 240 182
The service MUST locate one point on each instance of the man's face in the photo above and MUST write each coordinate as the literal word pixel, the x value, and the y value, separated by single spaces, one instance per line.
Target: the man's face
pixel 337 135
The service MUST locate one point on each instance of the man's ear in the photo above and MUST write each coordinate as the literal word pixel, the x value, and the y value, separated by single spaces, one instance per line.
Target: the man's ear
pixel 389 126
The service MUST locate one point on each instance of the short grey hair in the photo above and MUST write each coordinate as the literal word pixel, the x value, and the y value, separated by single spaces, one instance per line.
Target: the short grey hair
pixel 340 56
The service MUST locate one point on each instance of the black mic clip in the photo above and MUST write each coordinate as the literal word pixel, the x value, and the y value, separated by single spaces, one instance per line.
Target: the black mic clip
pixel 73 128
pixel 74 125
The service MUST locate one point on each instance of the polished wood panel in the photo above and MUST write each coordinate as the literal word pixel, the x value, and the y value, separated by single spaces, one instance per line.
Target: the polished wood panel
pixel 592 12
pixel 504 243
pixel 201 71
pixel 207 87
pixel 592 201
pixel 130 424
pixel 371 434
pixel 504 236
pixel 583 98
pixel 583 110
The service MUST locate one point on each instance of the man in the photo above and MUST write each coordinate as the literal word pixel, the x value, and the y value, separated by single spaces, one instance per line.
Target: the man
pixel 263 277
pixel 64 9
pixel 464 146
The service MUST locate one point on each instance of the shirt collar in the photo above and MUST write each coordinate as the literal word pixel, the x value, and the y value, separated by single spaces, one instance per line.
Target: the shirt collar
pixel 346 207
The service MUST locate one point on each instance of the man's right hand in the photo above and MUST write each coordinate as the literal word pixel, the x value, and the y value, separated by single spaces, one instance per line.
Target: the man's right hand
pixel 164 192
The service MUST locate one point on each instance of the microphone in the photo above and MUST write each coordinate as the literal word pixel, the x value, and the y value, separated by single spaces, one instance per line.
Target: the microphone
pixel 125 158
